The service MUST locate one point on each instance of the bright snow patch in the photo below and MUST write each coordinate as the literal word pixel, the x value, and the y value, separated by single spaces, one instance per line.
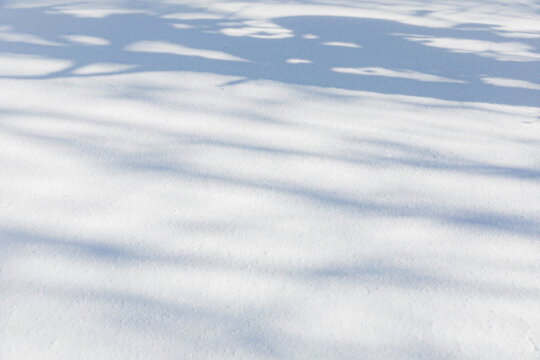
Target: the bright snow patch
pixel 298 61
pixel 404 74
pixel 342 44
pixel 102 68
pixel 192 16
pixel 511 83
pixel 176 49
pixel 258 29
pixel 8 35
pixel 13 65
pixel 87 40
pixel 504 51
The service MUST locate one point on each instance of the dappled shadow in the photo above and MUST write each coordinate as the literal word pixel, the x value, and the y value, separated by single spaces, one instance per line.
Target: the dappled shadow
pixel 467 63
pixel 212 328
pixel 382 154
pixel 378 271
pixel 328 229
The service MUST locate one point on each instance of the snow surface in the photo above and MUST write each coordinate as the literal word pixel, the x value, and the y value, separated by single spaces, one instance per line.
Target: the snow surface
pixel 270 179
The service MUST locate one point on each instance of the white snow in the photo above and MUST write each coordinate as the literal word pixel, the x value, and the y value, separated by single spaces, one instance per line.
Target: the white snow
pixel 511 83
pixel 298 61
pixel 173 49
pixel 404 74
pixel 29 65
pixel 341 43
pixel 211 180
pixel 8 35
pixel 87 40
pixel 504 51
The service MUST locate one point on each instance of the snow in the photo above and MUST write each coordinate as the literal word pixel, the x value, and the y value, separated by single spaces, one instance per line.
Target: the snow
pixel 269 179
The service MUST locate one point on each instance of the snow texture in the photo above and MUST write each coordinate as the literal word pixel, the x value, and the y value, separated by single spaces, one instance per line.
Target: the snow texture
pixel 208 179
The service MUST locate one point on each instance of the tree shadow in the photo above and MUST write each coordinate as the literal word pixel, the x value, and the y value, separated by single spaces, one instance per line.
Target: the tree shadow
pixel 158 162
pixel 186 328
pixel 468 63
pixel 377 56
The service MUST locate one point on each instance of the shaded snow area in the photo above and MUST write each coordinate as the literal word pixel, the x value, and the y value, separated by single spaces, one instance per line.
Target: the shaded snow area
pixel 209 179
